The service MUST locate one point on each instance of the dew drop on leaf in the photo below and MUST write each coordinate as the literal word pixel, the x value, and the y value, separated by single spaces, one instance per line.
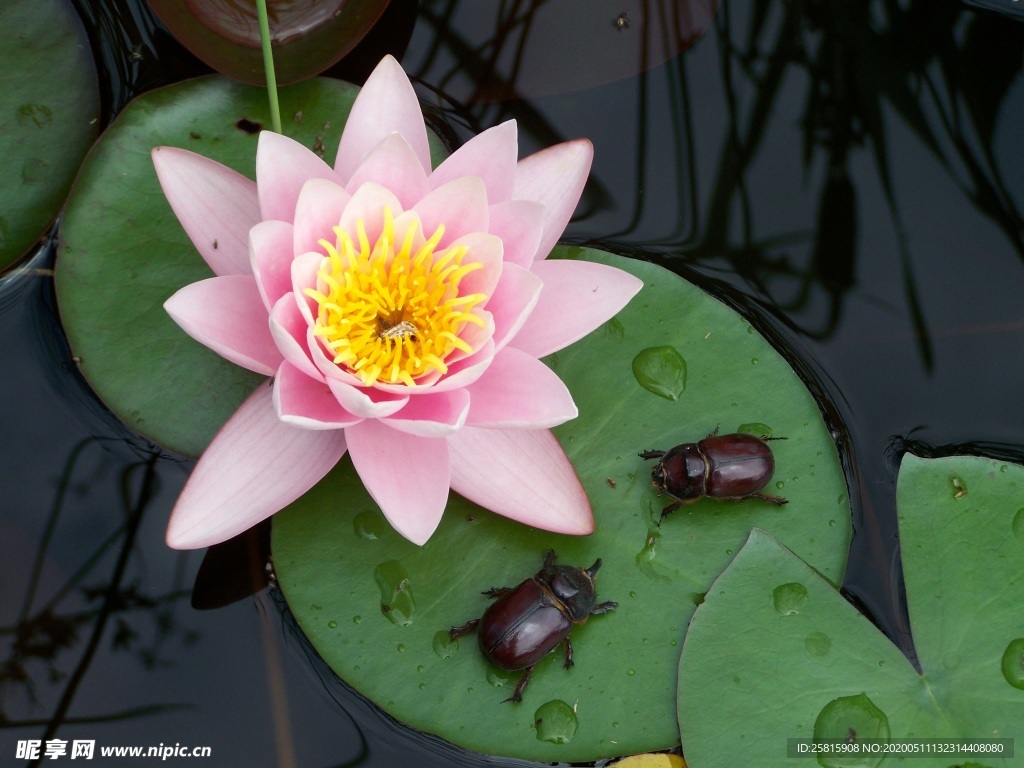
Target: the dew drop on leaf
pixel 396 600
pixel 444 646
pixel 661 370
pixel 555 722
pixel 818 643
pixel 789 598
pixel 1018 524
pixel 1013 663
pixel 851 719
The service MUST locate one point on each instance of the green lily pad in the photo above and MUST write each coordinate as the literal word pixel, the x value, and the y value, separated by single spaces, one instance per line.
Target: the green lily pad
pixel 753 675
pixel 49 113
pixel 377 607
pixel 122 252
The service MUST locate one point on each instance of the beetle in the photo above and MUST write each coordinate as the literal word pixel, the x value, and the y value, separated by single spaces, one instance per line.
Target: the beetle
pixel 527 622
pixel 723 467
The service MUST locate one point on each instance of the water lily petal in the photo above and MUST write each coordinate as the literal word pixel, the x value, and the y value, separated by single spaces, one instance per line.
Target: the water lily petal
pixel 485 249
pixel 521 474
pixel 433 415
pixel 394 165
pixel 490 155
pixel 289 330
pixel 464 372
pixel 386 103
pixel 367 205
pixel 518 223
pixel 216 206
pixel 227 315
pixel 459 205
pixel 317 212
pixel 256 465
pixel 306 402
pixel 270 256
pixel 328 368
pixel 304 269
pixel 512 302
pixel 406 475
pixel 518 391
pixel 554 177
pixel 593 292
pixel 366 402
pixel 283 166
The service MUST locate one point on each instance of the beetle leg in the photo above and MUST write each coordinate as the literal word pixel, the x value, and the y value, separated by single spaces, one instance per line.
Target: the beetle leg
pixel 603 607
pixel 768 497
pixel 766 438
pixel 494 592
pixel 465 629
pixel 517 694
pixel 669 510
pixel 713 433
pixel 651 454
pixel 568 653
pixel 549 559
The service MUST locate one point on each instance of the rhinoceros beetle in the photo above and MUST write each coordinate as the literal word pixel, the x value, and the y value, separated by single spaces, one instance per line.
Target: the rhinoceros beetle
pixel 526 622
pixel 724 467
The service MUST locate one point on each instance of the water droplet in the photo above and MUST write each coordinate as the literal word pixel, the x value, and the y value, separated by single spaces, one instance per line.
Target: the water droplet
pixel 332 624
pixel 400 648
pixel 959 487
pixel 356 619
pixel 499 678
pixel 1013 663
pixel 420 668
pixel 555 722
pixel 850 719
pixel 754 361
pixel 396 601
pixel 755 428
pixel 728 552
pixel 1018 524
pixel 779 484
pixel 789 598
pixel 630 672
pixel 831 523
pixel 369 524
pixel 818 643
pixel 661 370
pixel 632 593
pixel 444 645
pixel 422 686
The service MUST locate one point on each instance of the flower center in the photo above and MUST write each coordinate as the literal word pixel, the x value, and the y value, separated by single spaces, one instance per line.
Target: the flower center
pixel 393 315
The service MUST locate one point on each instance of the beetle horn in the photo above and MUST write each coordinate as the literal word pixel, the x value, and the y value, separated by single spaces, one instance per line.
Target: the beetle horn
pixel 593 569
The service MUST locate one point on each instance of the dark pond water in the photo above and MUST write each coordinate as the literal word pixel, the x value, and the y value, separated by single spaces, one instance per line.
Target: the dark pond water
pixel 846 174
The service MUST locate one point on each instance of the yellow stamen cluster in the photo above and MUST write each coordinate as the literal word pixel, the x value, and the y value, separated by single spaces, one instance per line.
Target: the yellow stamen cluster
pixel 388 315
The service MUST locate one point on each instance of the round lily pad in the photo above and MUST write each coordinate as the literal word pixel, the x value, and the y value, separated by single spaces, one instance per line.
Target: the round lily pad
pixel 377 608
pixel 49 114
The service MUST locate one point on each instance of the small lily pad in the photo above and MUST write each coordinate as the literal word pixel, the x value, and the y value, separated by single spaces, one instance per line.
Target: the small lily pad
pixel 661 370
pixel 751 677
pixel 49 116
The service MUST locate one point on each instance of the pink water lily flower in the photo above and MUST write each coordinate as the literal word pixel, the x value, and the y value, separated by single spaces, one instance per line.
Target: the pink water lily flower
pixel 401 313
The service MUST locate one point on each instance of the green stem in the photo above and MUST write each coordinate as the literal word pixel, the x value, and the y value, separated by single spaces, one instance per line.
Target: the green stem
pixel 268 66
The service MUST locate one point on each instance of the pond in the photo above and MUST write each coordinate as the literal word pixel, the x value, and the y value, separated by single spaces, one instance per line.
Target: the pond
pixel 846 176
